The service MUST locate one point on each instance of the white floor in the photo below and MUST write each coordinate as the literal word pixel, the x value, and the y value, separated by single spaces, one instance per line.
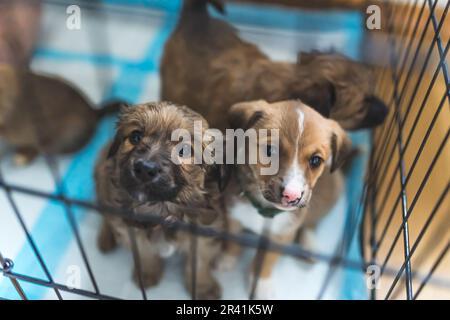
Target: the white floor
pixel 67 53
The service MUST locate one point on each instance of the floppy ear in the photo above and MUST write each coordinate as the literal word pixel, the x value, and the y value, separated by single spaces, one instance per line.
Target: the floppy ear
pixel 115 145
pixel 376 112
pixel 319 96
pixel 341 147
pixel 244 115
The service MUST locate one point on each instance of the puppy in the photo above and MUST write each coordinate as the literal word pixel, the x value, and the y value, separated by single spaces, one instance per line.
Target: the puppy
pixel 309 151
pixel 206 65
pixel 19 27
pixel 138 174
pixel 39 113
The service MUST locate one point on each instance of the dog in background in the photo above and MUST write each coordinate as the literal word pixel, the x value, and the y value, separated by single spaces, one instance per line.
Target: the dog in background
pixel 138 174
pixel 19 27
pixel 40 113
pixel 311 148
pixel 206 65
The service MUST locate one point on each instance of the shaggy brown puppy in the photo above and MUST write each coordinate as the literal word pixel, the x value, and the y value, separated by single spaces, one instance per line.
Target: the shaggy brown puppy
pixel 138 173
pixel 207 65
pixel 40 113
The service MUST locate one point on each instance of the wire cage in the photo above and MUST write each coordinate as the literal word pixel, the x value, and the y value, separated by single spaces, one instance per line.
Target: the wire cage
pixel 396 233
pixel 407 203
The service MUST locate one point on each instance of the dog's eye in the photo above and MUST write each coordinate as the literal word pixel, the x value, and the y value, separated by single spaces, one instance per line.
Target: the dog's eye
pixel 270 150
pixel 135 137
pixel 315 161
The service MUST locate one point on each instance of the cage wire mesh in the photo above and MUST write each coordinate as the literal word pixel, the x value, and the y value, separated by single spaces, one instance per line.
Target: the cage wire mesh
pixel 407 204
pixel 403 208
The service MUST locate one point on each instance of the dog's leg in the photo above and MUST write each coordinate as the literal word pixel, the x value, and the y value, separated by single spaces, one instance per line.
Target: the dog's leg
pixel 106 241
pixel 227 261
pixel 264 288
pixel 24 156
pixel 152 265
pixel 206 286
pixel 307 241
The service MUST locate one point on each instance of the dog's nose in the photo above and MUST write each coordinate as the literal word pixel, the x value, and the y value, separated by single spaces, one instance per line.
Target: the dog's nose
pixel 147 170
pixel 291 196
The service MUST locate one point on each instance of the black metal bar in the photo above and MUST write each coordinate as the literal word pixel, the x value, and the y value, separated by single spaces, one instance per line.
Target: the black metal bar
pixel 7 267
pixel 259 259
pixel 419 238
pixel 194 256
pixel 413 127
pixel 242 239
pixel 137 260
pixel 408 76
pixel 437 30
pixel 401 168
pixel 408 48
pixel 53 167
pixel 433 269
pixel 57 286
pixel 416 197
pixel 30 239
pixel 351 225
pixel 415 161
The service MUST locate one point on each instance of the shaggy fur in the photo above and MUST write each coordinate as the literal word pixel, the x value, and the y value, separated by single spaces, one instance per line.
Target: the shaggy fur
pixel 40 113
pixel 187 192
pixel 206 65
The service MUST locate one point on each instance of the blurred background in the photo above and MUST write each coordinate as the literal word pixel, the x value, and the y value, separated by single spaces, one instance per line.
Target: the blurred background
pixel 394 214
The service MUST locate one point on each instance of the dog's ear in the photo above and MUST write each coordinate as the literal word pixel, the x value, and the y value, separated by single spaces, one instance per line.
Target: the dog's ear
pixel 115 145
pixel 341 147
pixel 376 112
pixel 245 115
pixel 319 96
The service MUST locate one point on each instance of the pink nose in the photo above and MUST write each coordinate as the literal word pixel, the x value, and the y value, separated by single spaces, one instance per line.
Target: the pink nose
pixel 290 195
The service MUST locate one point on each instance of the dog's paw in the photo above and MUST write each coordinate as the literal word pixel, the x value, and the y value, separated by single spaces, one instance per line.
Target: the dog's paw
pixel 264 290
pixel 210 291
pixel 106 242
pixel 226 262
pixel 149 279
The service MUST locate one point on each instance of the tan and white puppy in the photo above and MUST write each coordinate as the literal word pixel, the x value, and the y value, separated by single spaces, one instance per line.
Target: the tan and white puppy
pixel 309 150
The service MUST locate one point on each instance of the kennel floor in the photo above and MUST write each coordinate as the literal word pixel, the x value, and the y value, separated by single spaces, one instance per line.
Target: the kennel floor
pixel 116 54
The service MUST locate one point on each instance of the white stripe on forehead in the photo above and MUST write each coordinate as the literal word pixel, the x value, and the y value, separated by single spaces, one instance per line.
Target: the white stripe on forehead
pixel 295 176
pixel 301 122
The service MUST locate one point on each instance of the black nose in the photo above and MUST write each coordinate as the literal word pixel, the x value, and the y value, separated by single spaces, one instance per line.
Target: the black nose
pixel 147 170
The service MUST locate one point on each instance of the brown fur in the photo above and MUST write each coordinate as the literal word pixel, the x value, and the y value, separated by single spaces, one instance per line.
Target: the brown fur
pixel 318 136
pixel 40 113
pixel 19 26
pixel 196 200
pixel 206 65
